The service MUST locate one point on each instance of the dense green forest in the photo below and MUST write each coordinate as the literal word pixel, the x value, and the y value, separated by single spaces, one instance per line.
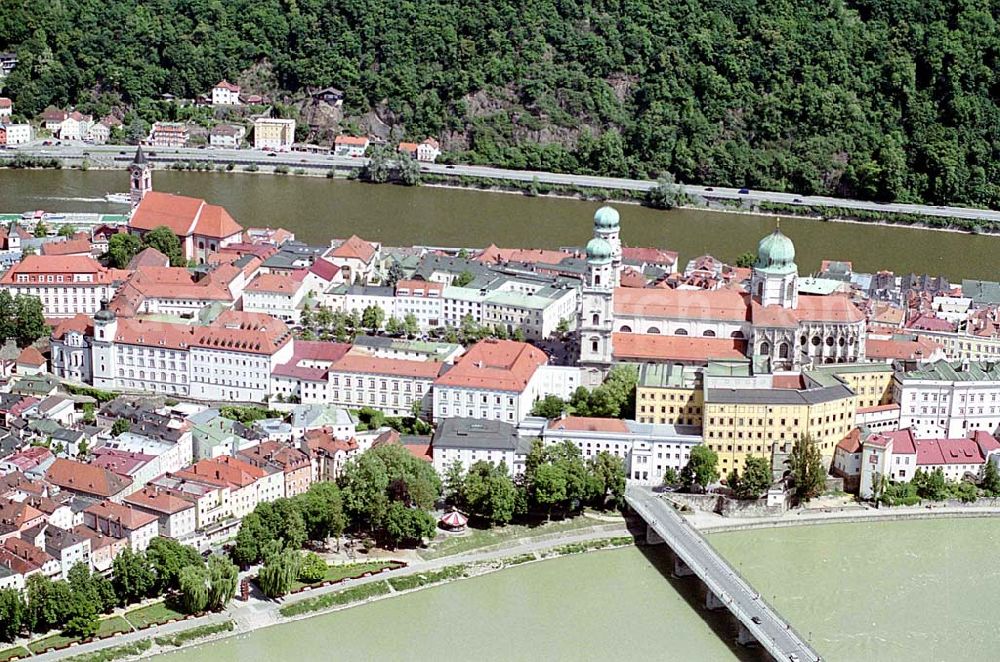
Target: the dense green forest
pixel 883 99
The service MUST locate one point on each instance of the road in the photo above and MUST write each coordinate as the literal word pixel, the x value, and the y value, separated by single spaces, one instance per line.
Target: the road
pixel 765 624
pixel 74 150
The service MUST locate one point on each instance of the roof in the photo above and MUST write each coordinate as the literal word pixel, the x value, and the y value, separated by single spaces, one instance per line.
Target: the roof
pixel 61 264
pixel 325 270
pixel 148 257
pixel 588 424
pixel 79 477
pixel 30 356
pixel 723 304
pixel 778 396
pixel 157 500
pixel 955 372
pixel 503 365
pixel 350 140
pixel 225 84
pixel 68 247
pixel 900 348
pixel 223 470
pixel 475 433
pixel 128 517
pixel 354 248
pixel 184 216
pixel 274 283
pixel 374 365
pixel 636 346
pixel 5 102
pixel 852 442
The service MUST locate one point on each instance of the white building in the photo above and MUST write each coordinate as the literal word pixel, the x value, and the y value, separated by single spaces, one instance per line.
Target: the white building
pixel 275 294
pixel 225 94
pixel 67 285
pixel 949 400
pixel 226 136
pixel 75 126
pixel 19 134
pixel 419 298
pixel 123 521
pixel 350 146
pixel 470 440
pixel 176 516
pixel 392 386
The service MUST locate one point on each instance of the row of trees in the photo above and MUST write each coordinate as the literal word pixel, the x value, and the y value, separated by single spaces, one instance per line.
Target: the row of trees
pixel 22 318
pixel 75 605
pixel 122 247
pixel 343 327
pixel 933 486
pixel 615 398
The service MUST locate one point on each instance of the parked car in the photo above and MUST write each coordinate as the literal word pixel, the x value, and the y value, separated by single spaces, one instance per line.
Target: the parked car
pixel 744 191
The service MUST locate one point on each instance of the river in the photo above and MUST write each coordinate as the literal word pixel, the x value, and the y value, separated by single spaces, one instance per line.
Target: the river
pixel 317 209
pixel 876 591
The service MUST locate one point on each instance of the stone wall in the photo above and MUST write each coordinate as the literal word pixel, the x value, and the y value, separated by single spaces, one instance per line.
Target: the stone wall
pixel 726 506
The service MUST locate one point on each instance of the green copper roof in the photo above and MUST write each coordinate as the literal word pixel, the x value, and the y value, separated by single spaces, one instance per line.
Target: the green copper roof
pixel 606 218
pixel 598 250
pixel 775 252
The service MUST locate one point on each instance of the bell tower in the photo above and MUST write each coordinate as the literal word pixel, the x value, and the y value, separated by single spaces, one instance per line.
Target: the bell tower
pixel 140 177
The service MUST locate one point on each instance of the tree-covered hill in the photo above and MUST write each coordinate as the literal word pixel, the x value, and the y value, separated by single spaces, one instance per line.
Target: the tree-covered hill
pixel 885 99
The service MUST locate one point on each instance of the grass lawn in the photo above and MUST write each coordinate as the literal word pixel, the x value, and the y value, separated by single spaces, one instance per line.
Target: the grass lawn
pixel 17 651
pixel 152 615
pixel 447 545
pixel 346 571
pixel 112 625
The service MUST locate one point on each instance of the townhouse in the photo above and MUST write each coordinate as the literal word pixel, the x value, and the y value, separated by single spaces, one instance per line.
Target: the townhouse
pixel 393 386
pixel 248 485
pixel 176 516
pixel 123 521
pixel 277 295
pixel 293 463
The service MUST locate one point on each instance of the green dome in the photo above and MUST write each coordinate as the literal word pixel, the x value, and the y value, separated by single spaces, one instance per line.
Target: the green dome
pixel 606 218
pixel 775 250
pixel 598 250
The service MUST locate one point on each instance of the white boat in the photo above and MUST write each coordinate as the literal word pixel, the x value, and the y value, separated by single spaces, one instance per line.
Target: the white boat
pixel 119 198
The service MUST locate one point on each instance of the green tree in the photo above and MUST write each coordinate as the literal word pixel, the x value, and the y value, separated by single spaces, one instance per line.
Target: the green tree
pixel 13 613
pixel 746 260
pixel 279 572
pixel 394 274
pixel 666 194
pixel 551 406
pixel 372 317
pixel 312 569
pixel 193 583
pixel 608 472
pixel 966 491
pixel 409 171
pixel 931 485
pixel 550 486
pixel 322 511
pixel 991 479
pixel 701 468
pixel 132 577
pixel 454 484
pixel 164 240
pixel 120 426
pixel 41 230
pixel 46 602
pixel 66 231
pixel 756 478
pixel 379 166
pixel 488 492
pixel 806 466
pixel 223 578
pixel 8 316
pixel 463 279
pixel 167 558
pixel 394 327
pixel 122 247
pixel 410 325
pixel 671 478
pixel 30 325
pixel 405 525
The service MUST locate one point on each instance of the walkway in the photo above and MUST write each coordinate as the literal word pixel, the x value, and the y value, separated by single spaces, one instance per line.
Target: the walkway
pixel 733 591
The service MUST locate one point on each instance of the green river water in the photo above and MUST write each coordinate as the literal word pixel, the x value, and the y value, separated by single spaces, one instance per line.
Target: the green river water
pixel 318 209
pixel 886 591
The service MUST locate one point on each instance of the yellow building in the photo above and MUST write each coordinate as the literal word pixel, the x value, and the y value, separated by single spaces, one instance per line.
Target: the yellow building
pixel 669 394
pixel 273 133
pixel 763 414
pixel 871 382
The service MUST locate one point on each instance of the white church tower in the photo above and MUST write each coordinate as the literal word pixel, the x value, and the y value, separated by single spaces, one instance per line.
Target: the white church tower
pixel 604 260
pixel 140 177
pixel 775 275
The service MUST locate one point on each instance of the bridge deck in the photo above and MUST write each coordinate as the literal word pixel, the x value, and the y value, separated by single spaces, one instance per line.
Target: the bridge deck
pixel 772 632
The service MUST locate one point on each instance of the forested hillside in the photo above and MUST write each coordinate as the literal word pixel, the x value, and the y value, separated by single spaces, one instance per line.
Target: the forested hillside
pixel 885 99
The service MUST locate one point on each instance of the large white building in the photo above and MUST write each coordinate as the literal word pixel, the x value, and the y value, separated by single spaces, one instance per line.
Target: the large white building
pixel 277 295
pixel 225 94
pixel 948 400
pixel 500 380
pixel 393 386
pixel 66 284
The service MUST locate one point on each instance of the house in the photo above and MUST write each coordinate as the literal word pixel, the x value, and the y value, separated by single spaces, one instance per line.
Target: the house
pixel 17 134
pixel 351 146
pixel 168 134
pixel 201 228
pixel 356 258
pixel 123 521
pixel 103 549
pixel 75 126
pixel 329 95
pixel 277 295
pixel 27 559
pixel 327 454
pixel 32 462
pixel 52 119
pixel 393 386
pixel 63 545
pixel 67 285
pixel 273 134
pixel 225 94
pixel 6 108
pixel 99 133
pixel 248 485
pixel 227 136
pixel 87 480
pixel 177 516
pixel 30 362
pixel 77 246
pixel 16 517
pixel 293 463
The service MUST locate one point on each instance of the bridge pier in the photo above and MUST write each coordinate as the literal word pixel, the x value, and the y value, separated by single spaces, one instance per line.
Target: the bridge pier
pixel 713 602
pixel 681 569
pixel 744 637
pixel 652 537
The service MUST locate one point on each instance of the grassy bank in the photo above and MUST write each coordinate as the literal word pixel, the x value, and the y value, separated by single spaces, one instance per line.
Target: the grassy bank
pixel 106 628
pixel 152 615
pixel 116 653
pixel 181 638
pixel 10 653
pixel 481 538
pixel 347 596
pixel 337 573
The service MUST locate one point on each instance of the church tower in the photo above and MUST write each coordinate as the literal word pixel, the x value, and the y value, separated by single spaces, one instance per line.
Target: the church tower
pixel 775 275
pixel 140 177
pixel 604 259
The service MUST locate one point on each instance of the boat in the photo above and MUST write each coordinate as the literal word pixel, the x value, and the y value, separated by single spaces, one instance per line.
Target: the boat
pixel 119 198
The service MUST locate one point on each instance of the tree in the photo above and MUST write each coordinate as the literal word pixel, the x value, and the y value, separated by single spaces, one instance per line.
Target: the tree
pixel 193 583
pixel 122 247
pixel 551 406
pixel 279 572
pixel 463 279
pixel 66 231
pixel 30 325
pixel 372 317
pixel 132 577
pixel 666 194
pixel 13 612
pixel 488 492
pixel 322 511
pixel 410 325
pixel 120 426
pixel 409 170
pixel 966 491
pixel 746 260
pixel 563 327
pixel 454 484
pixel 701 468
pixel 394 274
pixel 394 327
pixel 756 478
pixel 46 602
pixel 407 526
pixel 164 240
pixel 671 478
pixel 167 558
pixel 806 466
pixel 93 588
pixel 312 569
pixel 223 578
pixel 41 230
pixel 550 486
pixel 379 166
pixel 991 479
pixel 931 485
pixel 608 472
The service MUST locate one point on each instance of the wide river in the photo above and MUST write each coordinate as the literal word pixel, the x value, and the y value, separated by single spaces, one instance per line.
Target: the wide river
pixel 318 209
pixel 886 591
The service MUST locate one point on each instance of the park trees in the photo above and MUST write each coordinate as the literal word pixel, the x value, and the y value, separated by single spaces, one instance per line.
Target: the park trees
pixel 132 577
pixel 755 480
pixel 122 247
pixel 13 614
pixel 164 240
pixel 488 493
pixel 991 479
pixel 805 464
pixel 167 558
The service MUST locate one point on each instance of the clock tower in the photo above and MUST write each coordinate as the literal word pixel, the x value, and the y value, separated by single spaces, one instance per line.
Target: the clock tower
pixel 140 177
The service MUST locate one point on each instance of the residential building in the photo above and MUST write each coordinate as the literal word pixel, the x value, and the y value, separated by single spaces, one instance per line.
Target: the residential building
pixel 393 386
pixel 211 499
pixel 293 463
pixel 63 545
pixel 176 516
pixel 66 285
pixel 350 146
pixel 227 136
pixel 17 134
pixel 471 440
pixel 123 521
pixel 225 94
pixel 421 299
pixel 29 559
pixel 356 258
pixel 6 109
pixel 305 377
pixel 75 126
pixel 327 453
pixel 87 480
pixel 248 485
pixel 275 294
pixel 426 151
pixel 273 134
pixel 168 134
pixel 948 399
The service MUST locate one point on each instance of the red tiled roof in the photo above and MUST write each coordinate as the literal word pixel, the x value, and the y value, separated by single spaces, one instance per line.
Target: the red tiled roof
pixel 157 500
pixel 494 255
pixel 876 408
pixel 354 248
pixel 930 323
pixel 39 266
pixel 227 85
pixel 677 348
pixel 503 365
pixel 223 470
pixel 852 442
pixel 832 308
pixel 649 256
pixel 184 216
pixel 5 102
pixel 30 356
pixel 324 269
pixel 123 463
pixel 410 287
pixel 896 348
pixel 128 517
pixel 275 283
pixel 588 424
pixel 68 247
pixel 375 365
pixel 724 304
pixel 79 477
pixel 321 440
pixel 149 257
pixel 350 140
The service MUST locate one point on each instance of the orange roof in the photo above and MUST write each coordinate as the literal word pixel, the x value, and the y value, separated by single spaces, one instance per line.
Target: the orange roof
pixel 494 255
pixel 677 348
pixel 128 517
pixel 157 500
pixel 350 140
pixel 79 477
pixel 17 514
pixel 354 248
pixel 407 147
pixel 68 247
pixel 588 424
pixel 30 356
pixel 832 308
pixel 876 408
pixel 222 471
pixel 916 348
pixel 411 286
pixel 852 442
pixel 724 304
pixel 274 283
pixel 184 216
pixel 225 84
pixel 237 331
pixel 37 267
pixel 155 334
pixel 374 365
pixel 503 365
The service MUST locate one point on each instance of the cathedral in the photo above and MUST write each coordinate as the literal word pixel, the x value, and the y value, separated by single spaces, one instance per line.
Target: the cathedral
pixel 770 319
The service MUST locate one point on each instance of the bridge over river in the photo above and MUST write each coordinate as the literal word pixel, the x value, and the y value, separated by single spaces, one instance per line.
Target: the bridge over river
pixel 759 621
